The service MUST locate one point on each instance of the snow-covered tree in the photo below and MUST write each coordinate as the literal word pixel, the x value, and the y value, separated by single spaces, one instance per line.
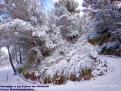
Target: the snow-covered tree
pixel 104 24
pixel 71 5
pixel 68 23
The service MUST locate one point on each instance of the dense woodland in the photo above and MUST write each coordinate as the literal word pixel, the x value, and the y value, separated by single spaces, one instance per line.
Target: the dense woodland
pixel 59 45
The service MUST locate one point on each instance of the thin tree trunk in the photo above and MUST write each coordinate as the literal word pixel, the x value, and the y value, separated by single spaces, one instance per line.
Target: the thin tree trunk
pixel 10 59
pixel 16 59
pixel 20 58
pixel 16 54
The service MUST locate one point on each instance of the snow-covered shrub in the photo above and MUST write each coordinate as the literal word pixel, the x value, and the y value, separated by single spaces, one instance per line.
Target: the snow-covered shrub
pixel 3 56
pixel 74 65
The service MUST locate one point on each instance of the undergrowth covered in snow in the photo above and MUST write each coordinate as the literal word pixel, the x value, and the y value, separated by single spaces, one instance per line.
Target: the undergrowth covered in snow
pixel 73 62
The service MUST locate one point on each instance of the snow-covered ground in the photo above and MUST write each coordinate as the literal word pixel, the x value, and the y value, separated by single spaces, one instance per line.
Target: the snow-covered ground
pixel 109 82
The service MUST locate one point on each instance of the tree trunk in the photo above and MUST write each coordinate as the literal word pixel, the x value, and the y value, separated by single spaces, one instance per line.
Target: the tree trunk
pixel 10 59
pixel 16 52
pixel 20 58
